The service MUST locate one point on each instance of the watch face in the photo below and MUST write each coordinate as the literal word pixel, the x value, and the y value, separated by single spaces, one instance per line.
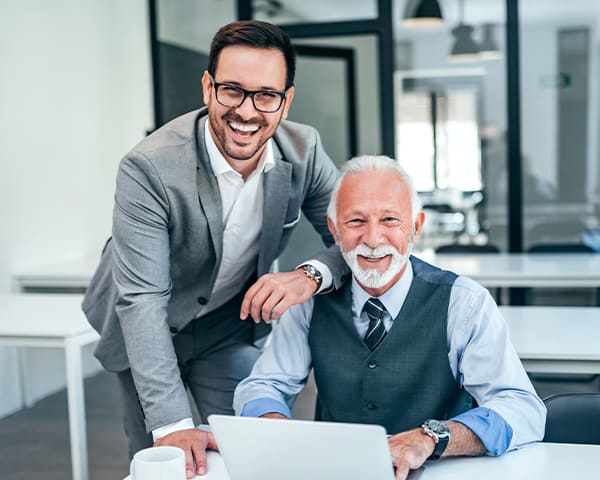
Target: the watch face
pixel 312 271
pixel 438 427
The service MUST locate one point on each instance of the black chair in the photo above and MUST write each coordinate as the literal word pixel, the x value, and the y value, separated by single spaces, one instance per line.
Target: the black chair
pixel 467 248
pixel 472 248
pixel 573 418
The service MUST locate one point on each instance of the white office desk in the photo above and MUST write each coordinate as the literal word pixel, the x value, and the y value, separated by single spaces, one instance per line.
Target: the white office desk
pixel 491 270
pixel 53 321
pixel 555 339
pixel 542 461
pixel 63 275
pixel 560 270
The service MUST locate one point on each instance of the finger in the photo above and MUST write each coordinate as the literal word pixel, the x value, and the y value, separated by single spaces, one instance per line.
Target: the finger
pixel 189 463
pixel 268 308
pixel 199 452
pixel 247 300
pixel 211 442
pixel 402 471
pixel 257 302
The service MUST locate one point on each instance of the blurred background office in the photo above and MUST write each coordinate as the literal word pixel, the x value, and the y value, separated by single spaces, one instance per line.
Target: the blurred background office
pixel 493 107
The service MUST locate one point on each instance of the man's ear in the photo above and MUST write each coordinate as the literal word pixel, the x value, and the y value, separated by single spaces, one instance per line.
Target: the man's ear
pixel 206 86
pixel 287 102
pixel 419 221
pixel 333 231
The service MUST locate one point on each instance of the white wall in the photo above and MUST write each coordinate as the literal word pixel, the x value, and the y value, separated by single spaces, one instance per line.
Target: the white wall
pixel 75 95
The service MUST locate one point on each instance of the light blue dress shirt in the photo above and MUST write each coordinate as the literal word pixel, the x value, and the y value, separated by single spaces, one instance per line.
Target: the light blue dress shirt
pixel 482 359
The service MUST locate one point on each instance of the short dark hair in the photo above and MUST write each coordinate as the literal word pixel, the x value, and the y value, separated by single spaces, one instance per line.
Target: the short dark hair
pixel 253 33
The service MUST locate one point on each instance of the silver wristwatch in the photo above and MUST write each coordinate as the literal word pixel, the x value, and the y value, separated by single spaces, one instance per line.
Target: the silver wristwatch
pixel 440 433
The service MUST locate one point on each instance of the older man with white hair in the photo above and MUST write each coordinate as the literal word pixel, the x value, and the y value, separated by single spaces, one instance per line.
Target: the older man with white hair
pixel 422 351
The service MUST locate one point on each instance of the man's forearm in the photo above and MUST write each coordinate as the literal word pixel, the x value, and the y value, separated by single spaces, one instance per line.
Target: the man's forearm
pixel 463 442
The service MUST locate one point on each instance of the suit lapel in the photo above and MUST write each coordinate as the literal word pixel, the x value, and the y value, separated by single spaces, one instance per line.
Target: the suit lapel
pixel 277 186
pixel 208 193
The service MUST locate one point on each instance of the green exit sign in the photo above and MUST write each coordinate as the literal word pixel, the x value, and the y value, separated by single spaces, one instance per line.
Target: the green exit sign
pixel 559 80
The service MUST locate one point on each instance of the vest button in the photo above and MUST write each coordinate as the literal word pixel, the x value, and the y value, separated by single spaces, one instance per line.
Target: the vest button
pixel 173 330
pixel 371 405
pixel 202 301
pixel 372 365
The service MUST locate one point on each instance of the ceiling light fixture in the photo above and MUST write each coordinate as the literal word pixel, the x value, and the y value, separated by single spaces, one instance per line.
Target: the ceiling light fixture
pixel 422 14
pixel 488 48
pixel 464 49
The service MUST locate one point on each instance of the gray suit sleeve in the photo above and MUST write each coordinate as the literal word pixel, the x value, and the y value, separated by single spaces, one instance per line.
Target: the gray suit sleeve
pixel 142 276
pixel 315 206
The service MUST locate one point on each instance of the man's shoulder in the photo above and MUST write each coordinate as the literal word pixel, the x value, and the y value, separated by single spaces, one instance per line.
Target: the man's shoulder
pixel 431 273
pixel 291 128
pixel 296 140
pixel 180 133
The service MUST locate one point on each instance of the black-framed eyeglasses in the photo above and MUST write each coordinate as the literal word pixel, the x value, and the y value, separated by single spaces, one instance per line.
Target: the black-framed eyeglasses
pixel 232 96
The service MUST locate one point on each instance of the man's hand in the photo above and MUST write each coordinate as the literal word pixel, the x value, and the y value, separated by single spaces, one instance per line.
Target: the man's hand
pixel 194 443
pixel 410 450
pixel 274 293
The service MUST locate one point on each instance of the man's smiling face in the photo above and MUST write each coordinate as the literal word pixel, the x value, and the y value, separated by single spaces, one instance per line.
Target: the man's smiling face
pixel 375 227
pixel 241 133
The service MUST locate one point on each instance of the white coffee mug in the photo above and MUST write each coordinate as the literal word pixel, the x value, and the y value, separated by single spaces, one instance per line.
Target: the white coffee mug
pixel 158 463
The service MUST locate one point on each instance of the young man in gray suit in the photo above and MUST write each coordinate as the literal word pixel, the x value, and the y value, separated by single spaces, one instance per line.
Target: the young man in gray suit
pixel 203 206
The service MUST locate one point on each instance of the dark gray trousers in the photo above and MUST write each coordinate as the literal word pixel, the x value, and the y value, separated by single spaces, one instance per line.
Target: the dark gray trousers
pixel 214 353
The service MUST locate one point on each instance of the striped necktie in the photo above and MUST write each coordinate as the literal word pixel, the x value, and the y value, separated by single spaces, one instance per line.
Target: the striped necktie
pixel 376 331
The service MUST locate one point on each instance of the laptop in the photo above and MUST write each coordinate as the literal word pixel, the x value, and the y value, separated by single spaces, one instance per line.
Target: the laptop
pixel 271 449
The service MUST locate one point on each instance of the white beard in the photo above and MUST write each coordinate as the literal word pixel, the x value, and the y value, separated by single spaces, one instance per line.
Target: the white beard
pixel 372 278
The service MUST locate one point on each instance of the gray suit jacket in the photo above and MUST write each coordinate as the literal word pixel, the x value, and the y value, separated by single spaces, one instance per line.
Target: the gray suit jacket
pixel 167 245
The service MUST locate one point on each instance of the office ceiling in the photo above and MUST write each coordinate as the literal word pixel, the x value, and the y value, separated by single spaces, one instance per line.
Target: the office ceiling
pixel 475 11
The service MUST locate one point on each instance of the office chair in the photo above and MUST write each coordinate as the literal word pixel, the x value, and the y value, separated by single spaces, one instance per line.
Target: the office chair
pixel 467 248
pixel 573 418
pixel 462 248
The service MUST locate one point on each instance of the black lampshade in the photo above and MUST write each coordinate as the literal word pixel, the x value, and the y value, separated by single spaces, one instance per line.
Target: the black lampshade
pixel 422 13
pixel 488 48
pixel 464 48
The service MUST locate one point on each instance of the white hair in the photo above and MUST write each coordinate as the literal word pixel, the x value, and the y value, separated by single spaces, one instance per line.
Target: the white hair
pixel 365 163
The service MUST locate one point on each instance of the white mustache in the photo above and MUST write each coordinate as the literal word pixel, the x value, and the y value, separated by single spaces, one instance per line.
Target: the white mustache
pixel 377 252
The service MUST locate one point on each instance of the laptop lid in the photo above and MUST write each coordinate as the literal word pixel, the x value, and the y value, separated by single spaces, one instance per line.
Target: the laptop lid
pixel 271 449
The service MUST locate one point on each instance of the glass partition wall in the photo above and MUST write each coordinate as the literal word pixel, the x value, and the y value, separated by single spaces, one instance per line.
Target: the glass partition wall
pixel 450 110
pixel 494 111
pixel 560 121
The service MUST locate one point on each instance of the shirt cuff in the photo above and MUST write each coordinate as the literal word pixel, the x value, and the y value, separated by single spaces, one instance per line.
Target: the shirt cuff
pixel 163 431
pixel 327 277
pixel 493 431
pixel 261 406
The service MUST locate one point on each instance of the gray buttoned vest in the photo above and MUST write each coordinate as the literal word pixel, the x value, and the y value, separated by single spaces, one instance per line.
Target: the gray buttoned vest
pixel 407 378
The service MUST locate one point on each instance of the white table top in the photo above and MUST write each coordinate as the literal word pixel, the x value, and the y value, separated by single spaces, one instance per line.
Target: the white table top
pixel 72 273
pixel 523 269
pixel 49 315
pixel 547 461
pixel 554 333
pixel 491 270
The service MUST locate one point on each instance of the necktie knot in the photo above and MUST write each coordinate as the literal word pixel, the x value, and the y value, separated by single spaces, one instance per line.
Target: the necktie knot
pixel 376 330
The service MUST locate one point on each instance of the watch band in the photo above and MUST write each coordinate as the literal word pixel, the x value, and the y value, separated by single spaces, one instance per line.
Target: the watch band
pixel 440 433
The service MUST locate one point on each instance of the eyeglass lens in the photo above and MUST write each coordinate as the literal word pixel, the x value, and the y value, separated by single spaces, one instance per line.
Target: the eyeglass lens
pixel 264 101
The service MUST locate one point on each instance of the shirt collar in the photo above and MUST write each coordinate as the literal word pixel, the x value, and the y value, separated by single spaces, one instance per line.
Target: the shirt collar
pixel 392 300
pixel 220 166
